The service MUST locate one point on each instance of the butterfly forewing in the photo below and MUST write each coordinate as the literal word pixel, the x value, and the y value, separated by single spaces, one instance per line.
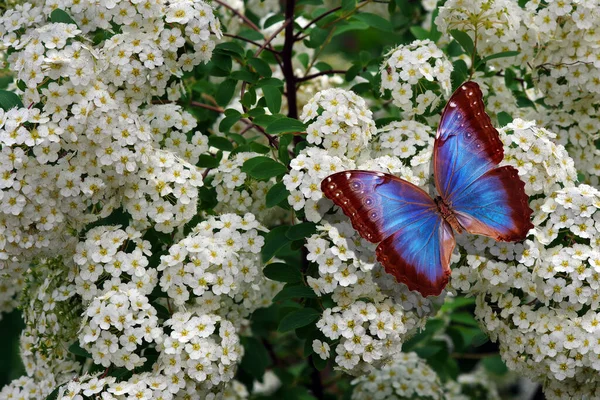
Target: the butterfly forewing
pixel 486 200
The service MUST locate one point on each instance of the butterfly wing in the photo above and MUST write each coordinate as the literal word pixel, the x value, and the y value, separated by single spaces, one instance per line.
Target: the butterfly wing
pixel 416 243
pixel 486 200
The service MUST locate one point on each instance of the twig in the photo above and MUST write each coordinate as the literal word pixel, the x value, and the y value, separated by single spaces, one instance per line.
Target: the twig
pixel 328 72
pixel 297 37
pixel 251 42
pixel 207 106
pixel 240 15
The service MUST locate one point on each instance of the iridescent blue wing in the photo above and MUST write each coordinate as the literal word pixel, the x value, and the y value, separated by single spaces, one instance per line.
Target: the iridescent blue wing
pixel 416 243
pixel 486 200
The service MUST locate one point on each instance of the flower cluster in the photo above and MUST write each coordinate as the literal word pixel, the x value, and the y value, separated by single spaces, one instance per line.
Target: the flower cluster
pixel 540 298
pixel 238 193
pixel 112 259
pixel 218 265
pixel 366 332
pixel 204 347
pixel 411 142
pixel 115 326
pixel 406 69
pixel 495 26
pixel 406 378
pixel 340 122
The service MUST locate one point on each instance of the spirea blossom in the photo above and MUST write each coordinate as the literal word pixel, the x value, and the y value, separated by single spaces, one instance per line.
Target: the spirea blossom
pixel 340 122
pixel 372 317
pixel 407 67
pixel 493 25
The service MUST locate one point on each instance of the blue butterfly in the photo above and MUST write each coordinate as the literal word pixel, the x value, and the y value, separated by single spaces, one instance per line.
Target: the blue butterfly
pixel 415 232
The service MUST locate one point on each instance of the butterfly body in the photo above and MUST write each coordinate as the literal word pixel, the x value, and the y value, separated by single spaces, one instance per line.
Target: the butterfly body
pixel 415 232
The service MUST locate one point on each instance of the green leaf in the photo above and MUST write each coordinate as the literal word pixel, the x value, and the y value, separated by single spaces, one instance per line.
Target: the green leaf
pixel 464 318
pixel 283 151
pixel 353 25
pixel 273 98
pixel 259 148
pixel 228 122
pixel 269 82
pixel 504 118
pixel 230 47
pixel 206 161
pixel 59 15
pixel 225 92
pixel 457 302
pixel 464 40
pixel 301 231
pixel 318 362
pixel 419 33
pixel 251 34
pixel 298 319
pixel 274 240
pixel 503 54
pixel 76 349
pixel 245 75
pixel 375 21
pixel 348 5
pixel 282 273
pixel 263 168
pixel 495 365
pixel 276 195
pixel 460 73
pixel 273 19
pixel 294 292
pixel 261 67
pixel 309 3
pixel 9 100
pixel 256 357
pixel 220 143
pixel 285 125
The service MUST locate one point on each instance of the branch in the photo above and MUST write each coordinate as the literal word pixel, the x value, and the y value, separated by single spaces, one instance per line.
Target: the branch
pixel 273 142
pixel 251 42
pixel 314 21
pixel 286 55
pixel 242 16
pixel 328 72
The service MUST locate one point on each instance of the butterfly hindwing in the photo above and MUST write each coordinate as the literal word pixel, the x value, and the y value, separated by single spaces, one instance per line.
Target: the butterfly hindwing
pixel 486 200
pixel 419 254
pixel 416 242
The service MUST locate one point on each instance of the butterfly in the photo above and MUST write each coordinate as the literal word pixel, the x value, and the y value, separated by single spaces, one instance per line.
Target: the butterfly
pixel 416 232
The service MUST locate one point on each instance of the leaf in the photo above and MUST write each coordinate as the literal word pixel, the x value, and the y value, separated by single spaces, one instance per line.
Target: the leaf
pixel 273 98
pixel 375 21
pixel 274 240
pixel 419 33
pixel 230 47
pixel 285 125
pixel 256 358
pixel 261 67
pixel 59 15
pixel 504 118
pixel 281 272
pixel 263 168
pixel 9 100
pixel 298 319
pixel 318 362
pixel 495 365
pixel 220 143
pixel 245 75
pixel 464 40
pixel 348 5
pixel 76 349
pixel 206 161
pixel 276 194
pixel 457 302
pixel 301 231
pixel 464 318
pixel 259 148
pixel 283 151
pixel 294 292
pixel 353 25
pixel 225 92
pixel 511 53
